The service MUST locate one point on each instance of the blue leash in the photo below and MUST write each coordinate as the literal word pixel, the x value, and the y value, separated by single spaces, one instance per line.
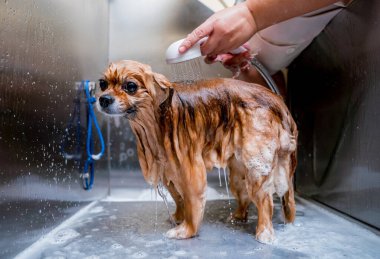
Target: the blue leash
pixel 87 174
pixel 88 171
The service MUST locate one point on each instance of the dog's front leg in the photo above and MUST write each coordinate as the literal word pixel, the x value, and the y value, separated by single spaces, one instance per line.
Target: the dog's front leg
pixel 193 184
pixel 178 215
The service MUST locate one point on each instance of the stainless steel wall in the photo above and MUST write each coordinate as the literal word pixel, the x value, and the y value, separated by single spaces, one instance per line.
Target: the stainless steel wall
pixel 45 47
pixel 335 96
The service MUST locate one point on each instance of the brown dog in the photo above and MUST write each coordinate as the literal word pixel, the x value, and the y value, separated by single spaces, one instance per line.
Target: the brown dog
pixel 184 130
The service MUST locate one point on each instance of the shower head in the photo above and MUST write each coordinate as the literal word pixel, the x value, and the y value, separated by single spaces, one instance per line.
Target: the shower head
pixel 173 56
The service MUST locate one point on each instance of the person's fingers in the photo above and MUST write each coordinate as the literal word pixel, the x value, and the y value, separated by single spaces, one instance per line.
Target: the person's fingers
pixel 235 60
pixel 224 57
pixel 210 59
pixel 220 45
pixel 217 58
pixel 245 66
pixel 247 55
pixel 222 40
pixel 200 32
pixel 246 46
pixel 211 45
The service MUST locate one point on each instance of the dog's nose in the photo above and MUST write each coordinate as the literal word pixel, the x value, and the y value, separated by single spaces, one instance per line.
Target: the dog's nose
pixel 106 100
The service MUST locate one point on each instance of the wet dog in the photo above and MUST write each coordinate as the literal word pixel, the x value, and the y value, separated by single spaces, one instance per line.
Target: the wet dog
pixel 184 130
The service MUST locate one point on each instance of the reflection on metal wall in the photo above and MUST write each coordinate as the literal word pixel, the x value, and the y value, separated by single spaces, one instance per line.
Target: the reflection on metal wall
pixel 142 30
pixel 335 93
pixel 45 47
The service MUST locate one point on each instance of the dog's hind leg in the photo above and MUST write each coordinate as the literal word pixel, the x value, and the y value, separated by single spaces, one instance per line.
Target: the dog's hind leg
pixel 193 186
pixel 260 157
pixel 289 205
pixel 259 190
pixel 264 203
pixel 238 188
pixel 288 202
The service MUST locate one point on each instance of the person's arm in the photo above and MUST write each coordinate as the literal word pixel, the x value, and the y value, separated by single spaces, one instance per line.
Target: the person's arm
pixel 269 12
pixel 231 27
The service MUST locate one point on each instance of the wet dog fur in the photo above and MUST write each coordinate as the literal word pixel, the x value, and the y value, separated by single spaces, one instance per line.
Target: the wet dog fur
pixel 184 130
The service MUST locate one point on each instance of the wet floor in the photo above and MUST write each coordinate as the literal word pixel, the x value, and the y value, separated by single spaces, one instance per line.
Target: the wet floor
pixel 23 222
pixel 110 229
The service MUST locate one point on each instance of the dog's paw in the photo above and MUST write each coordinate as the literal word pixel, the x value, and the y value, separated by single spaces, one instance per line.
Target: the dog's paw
pixel 180 232
pixel 266 236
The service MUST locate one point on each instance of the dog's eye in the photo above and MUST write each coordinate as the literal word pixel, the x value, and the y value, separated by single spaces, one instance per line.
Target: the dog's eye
pixel 129 87
pixel 103 84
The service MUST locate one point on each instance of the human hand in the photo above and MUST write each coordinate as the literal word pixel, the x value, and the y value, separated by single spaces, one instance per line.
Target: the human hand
pixel 226 30
pixel 235 62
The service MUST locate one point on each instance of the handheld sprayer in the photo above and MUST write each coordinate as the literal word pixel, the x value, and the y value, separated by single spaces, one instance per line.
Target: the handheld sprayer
pixel 173 57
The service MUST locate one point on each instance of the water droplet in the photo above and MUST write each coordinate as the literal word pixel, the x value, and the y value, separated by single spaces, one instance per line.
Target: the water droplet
pixel 220 180
pixel 228 192
pixel 186 72
pixel 156 218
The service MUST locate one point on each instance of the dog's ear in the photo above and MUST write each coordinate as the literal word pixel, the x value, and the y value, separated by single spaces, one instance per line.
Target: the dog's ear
pixel 161 80
pixel 162 87
pixel 158 85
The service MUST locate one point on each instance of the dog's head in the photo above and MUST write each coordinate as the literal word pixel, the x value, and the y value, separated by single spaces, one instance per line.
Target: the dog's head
pixel 129 86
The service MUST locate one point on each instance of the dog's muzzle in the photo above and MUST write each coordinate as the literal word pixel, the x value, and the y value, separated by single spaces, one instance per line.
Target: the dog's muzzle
pixel 106 100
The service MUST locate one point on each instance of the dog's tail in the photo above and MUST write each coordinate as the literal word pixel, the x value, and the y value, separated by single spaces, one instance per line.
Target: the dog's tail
pixel 288 202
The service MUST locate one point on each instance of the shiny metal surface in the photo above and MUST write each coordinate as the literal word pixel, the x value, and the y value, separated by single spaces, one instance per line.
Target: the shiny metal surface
pixel 143 30
pixel 45 47
pixel 132 230
pixel 335 94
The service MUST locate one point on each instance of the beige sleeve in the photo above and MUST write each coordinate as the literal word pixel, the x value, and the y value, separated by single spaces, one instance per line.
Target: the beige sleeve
pixel 277 46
